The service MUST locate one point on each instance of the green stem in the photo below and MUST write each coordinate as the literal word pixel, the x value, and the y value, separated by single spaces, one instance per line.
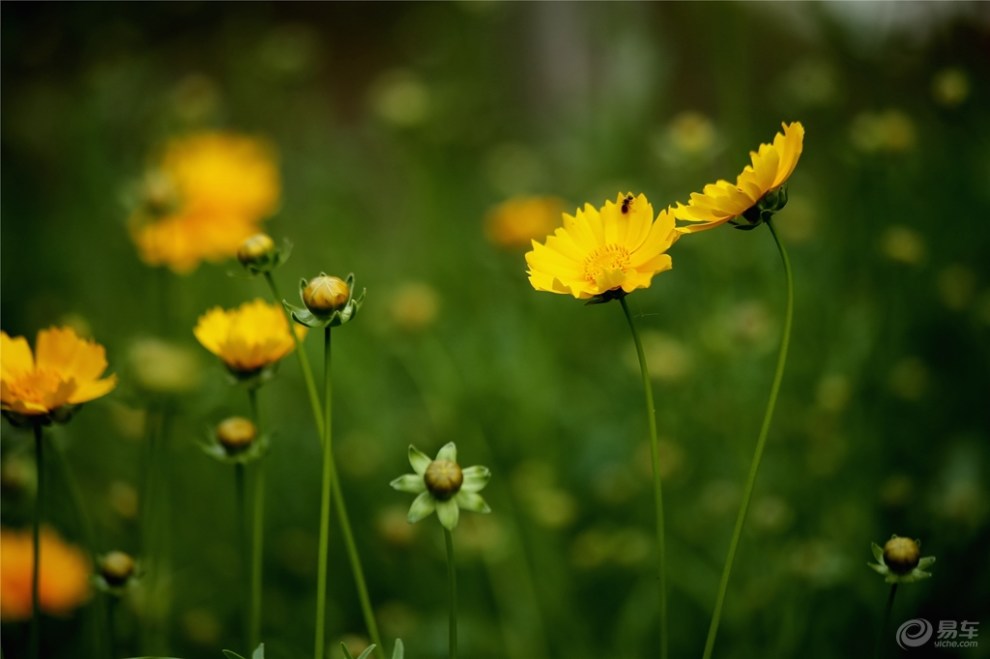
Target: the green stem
pixel 257 538
pixel 336 494
pixel 657 490
pixel 760 444
pixel 877 653
pixel 39 466
pixel 452 577
pixel 321 592
pixel 111 609
pixel 242 541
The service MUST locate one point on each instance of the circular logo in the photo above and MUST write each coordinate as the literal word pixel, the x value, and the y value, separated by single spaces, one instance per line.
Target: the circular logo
pixel 914 633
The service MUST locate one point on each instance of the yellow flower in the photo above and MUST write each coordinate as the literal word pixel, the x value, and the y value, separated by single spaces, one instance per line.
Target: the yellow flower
pixel 64 371
pixel 604 251
pixel 63 580
pixel 248 338
pixel 206 194
pixel 723 201
pixel 517 221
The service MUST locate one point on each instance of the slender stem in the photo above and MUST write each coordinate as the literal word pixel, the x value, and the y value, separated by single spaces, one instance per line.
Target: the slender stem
pixel 877 653
pixel 452 577
pixel 761 441
pixel 307 370
pixel 657 491
pixel 39 466
pixel 242 542
pixel 257 538
pixel 321 592
pixel 337 495
pixel 111 610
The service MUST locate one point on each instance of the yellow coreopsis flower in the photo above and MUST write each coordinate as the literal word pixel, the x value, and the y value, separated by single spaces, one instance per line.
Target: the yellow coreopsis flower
pixel 518 221
pixel 248 338
pixel 206 194
pixel 64 370
pixel 604 252
pixel 723 201
pixel 63 578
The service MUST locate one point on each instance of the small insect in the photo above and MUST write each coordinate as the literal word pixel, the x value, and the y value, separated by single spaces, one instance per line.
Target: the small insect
pixel 625 204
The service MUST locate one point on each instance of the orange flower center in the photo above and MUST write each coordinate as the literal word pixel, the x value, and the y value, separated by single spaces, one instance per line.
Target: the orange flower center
pixel 605 262
pixel 35 386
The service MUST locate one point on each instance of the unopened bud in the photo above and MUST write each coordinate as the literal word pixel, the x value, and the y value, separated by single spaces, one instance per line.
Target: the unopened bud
pixel 443 479
pixel 116 568
pixel 256 249
pixel 901 555
pixel 325 294
pixel 236 434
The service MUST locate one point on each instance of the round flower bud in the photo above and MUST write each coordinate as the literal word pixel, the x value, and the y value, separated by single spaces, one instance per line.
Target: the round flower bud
pixel 325 294
pixel 236 434
pixel 116 568
pixel 901 555
pixel 443 479
pixel 256 249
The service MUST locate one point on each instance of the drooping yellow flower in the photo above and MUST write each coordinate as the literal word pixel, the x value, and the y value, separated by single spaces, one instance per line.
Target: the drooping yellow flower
pixel 518 221
pixel 604 251
pixel 63 578
pixel 723 201
pixel 64 370
pixel 206 194
pixel 248 338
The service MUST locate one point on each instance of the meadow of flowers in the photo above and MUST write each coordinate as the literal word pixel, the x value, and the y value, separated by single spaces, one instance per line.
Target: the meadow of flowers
pixel 477 329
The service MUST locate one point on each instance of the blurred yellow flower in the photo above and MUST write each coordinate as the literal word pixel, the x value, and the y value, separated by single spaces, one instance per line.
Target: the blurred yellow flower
pixel 65 370
pixel 205 195
pixel 518 221
pixel 604 251
pixel 248 338
pixel 63 579
pixel 722 201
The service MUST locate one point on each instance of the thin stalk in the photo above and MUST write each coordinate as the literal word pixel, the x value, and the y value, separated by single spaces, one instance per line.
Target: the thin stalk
pixel 111 609
pixel 761 441
pixel 257 538
pixel 657 490
pixel 240 494
pixel 321 592
pixel 337 495
pixel 452 578
pixel 39 466
pixel 877 653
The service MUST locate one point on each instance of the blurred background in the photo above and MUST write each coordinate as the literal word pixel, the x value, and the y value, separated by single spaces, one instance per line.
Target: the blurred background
pixel 399 128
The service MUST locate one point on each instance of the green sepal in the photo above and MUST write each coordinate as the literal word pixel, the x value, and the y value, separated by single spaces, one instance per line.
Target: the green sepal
pixel 364 655
pixel 399 651
pixel 253 379
pixel 607 296
pixel 877 552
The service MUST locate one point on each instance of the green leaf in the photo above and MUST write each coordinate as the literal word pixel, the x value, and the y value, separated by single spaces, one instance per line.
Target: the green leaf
pixel 367 652
pixel 230 654
pixel 259 652
pixel 347 653
pixel 399 651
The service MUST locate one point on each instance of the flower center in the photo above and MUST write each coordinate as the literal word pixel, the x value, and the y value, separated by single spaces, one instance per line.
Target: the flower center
pixel 36 386
pixel 443 479
pixel 603 264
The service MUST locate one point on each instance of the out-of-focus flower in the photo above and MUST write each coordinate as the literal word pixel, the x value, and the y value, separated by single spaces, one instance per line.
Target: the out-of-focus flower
pixel 414 306
pixel 518 221
pixel 163 367
pixel 891 131
pixel 900 243
pixel 64 370
pixel 442 485
pixel 670 359
pixel 400 98
pixel 757 189
pixel 63 577
pixel 605 252
pixel 247 339
pixel 950 87
pixel 207 193
pixel 956 286
pixel 689 134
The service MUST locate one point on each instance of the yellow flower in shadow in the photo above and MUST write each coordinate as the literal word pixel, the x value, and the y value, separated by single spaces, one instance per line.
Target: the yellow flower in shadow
pixel 248 338
pixel 518 221
pixel 64 370
pixel 604 252
pixel 63 578
pixel 204 196
pixel 723 201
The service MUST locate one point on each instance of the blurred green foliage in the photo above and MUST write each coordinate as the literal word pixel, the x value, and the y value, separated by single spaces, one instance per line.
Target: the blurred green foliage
pixel 399 126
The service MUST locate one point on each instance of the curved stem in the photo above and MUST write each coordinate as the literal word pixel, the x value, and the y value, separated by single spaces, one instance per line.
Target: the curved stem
pixel 257 537
pixel 452 578
pixel 877 653
pixel 321 579
pixel 761 441
pixel 657 491
pixel 337 496
pixel 39 466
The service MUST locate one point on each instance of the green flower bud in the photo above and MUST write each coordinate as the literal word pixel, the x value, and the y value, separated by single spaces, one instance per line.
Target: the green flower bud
pixel 256 250
pixel 325 294
pixel 443 478
pixel 116 568
pixel 236 434
pixel 901 555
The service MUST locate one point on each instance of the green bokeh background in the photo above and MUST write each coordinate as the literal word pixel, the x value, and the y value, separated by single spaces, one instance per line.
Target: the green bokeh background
pixel 399 126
